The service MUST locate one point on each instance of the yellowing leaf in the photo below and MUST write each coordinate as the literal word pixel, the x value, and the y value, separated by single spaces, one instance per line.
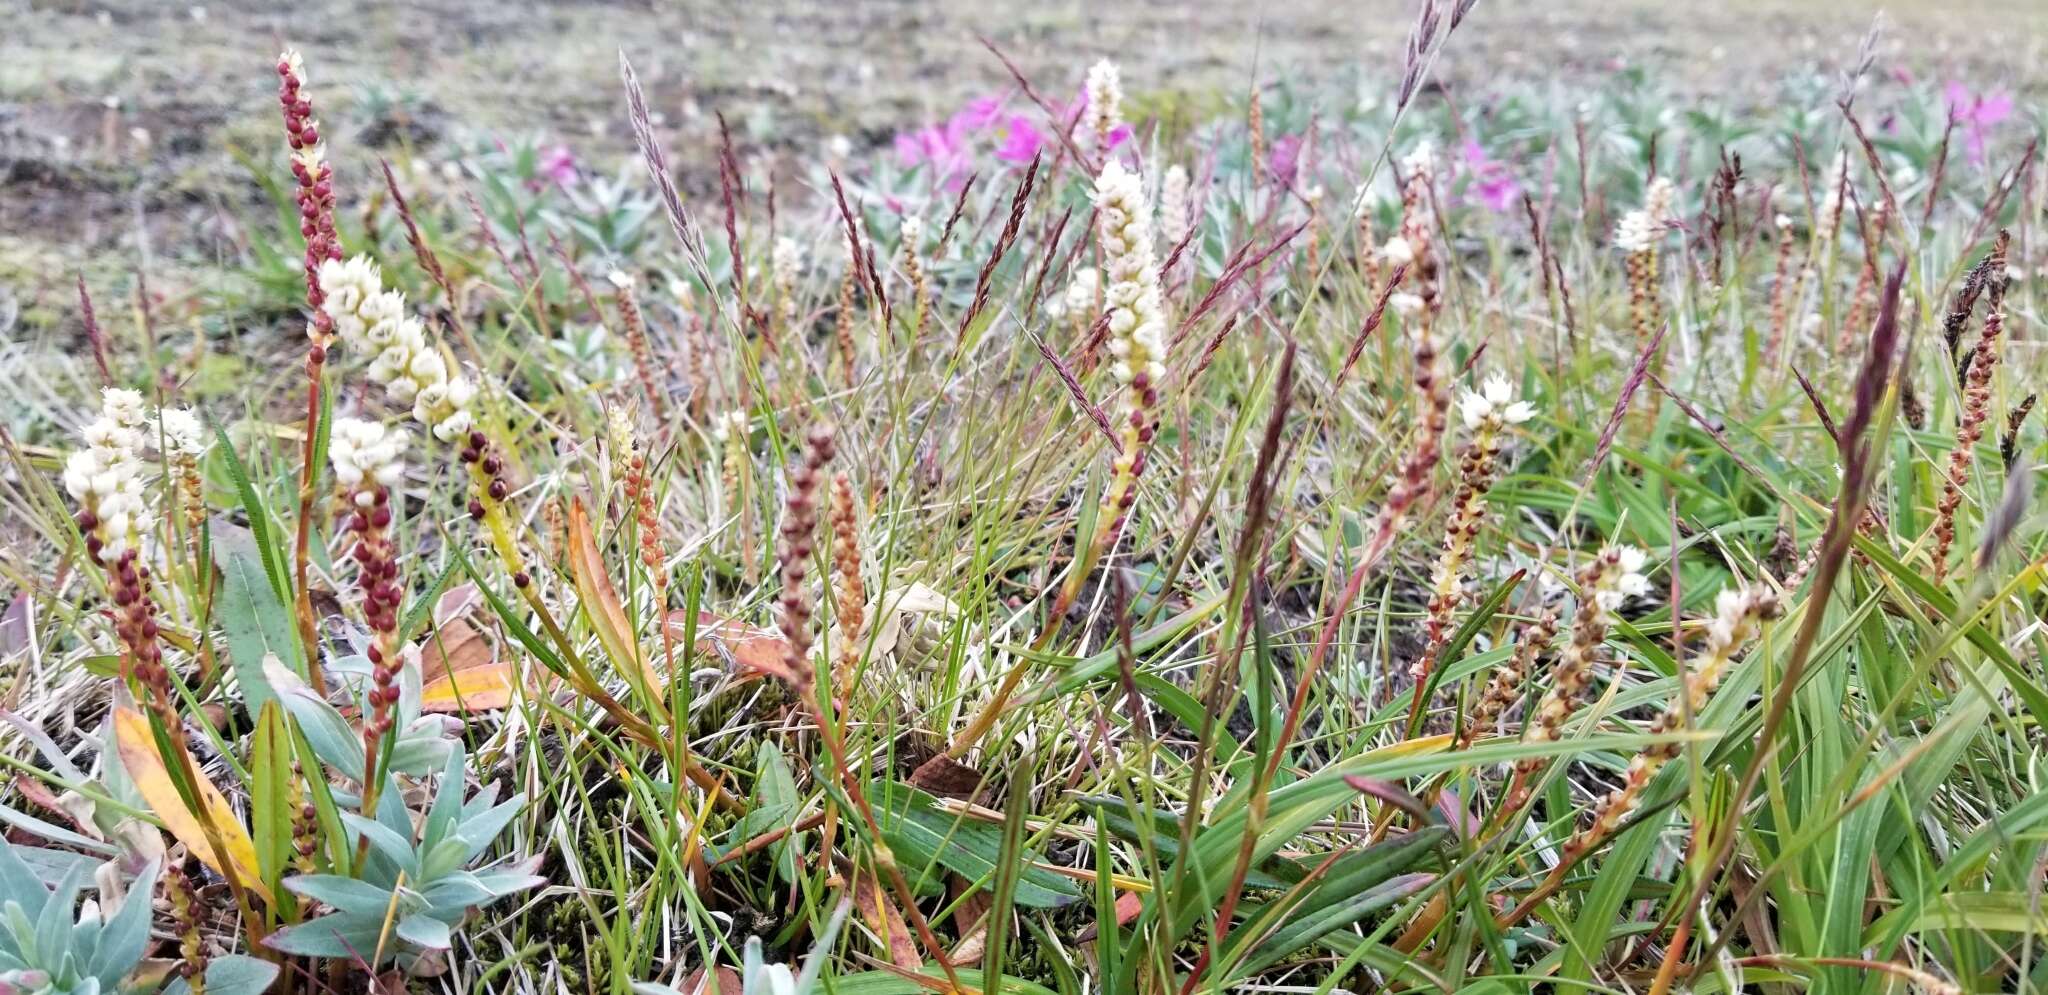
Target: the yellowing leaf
pixel 601 601
pixel 474 689
pixel 1410 747
pixel 462 671
pixel 138 749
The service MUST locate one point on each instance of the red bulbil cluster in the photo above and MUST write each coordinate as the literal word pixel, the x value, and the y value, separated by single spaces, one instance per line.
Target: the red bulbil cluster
pixel 95 545
pixel 135 623
pixel 315 195
pixel 486 467
pixel 377 577
pixel 134 612
pixel 799 531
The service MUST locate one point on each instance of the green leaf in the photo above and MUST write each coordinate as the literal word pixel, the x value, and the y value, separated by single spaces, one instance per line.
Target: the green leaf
pixel 125 937
pixel 255 621
pixel 330 735
pixel 272 557
pixel 1997 912
pixel 237 974
pixel 385 841
pixel 346 895
pixel 922 836
pixel 1311 925
pixel 1118 817
pixel 328 936
pixel 270 795
pixel 885 983
pixel 425 932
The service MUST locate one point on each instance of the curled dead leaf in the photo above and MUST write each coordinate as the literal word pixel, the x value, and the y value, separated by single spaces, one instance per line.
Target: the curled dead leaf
pixel 744 649
pixel 885 921
pixel 722 981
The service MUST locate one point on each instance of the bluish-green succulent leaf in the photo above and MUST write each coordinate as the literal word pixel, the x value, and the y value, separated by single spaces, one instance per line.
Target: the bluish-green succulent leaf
pixel 344 894
pixel 125 937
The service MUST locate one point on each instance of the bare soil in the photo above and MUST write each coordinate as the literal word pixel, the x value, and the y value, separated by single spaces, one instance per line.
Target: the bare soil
pixel 125 126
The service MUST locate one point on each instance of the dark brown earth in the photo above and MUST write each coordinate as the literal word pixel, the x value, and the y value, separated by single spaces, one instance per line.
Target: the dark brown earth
pixel 125 125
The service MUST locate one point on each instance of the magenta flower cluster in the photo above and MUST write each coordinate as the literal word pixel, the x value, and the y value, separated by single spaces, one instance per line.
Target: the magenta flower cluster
pixel 1976 114
pixel 1493 181
pixel 982 125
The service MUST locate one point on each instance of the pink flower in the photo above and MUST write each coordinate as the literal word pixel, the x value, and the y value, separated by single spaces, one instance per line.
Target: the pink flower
pixel 558 166
pixel 1977 113
pixel 1021 140
pixel 943 148
pixel 1285 158
pixel 1493 183
pixel 949 149
pixel 977 114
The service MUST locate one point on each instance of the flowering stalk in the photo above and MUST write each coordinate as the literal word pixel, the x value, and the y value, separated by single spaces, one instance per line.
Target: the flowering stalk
pixel 1781 290
pixel 630 461
pixel 1865 295
pixel 185 920
pixel 105 478
pixel 842 326
pixel 1486 414
pixel 914 274
pixel 849 595
pixel 185 443
pixel 730 432
pixel 793 554
pixel 314 193
pixel 793 618
pixel 366 464
pixel 305 823
pixel 1434 402
pixel 636 339
pixel 631 464
pixel 1369 252
pixel 785 265
pixel 1137 326
pixel 1739 614
pixel 413 370
pixel 1976 408
pixel 1255 133
pixel 1310 188
pixel 698 343
pixel 1505 686
pixel 1637 235
pixel 1105 102
pixel 1433 394
pixel 1613 576
pixel 377 322
pixel 1176 210
pixel 1082 301
pixel 1412 246
pixel 1834 197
